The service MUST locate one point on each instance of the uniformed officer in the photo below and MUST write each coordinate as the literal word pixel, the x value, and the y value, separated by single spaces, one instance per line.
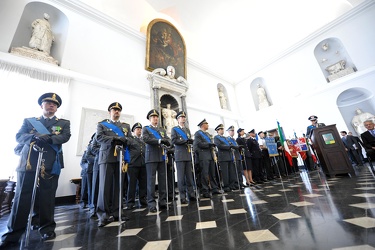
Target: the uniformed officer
pixel 137 168
pixel 205 151
pixel 237 157
pixel 314 125
pixel 47 132
pixel 110 133
pixel 156 140
pixel 225 159
pixel 181 139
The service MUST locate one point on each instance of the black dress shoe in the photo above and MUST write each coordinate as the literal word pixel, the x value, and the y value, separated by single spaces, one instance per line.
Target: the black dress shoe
pixel 184 201
pixel 49 236
pixel 102 223
pixel 153 210
pixel 216 192
pixel 207 195
pixel 34 227
pixel 143 201
pixel 193 198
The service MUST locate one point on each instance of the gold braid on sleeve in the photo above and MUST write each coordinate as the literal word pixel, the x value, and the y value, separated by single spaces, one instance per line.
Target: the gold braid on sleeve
pixel 28 164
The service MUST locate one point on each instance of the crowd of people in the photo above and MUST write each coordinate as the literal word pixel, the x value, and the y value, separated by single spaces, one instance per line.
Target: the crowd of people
pixel 121 163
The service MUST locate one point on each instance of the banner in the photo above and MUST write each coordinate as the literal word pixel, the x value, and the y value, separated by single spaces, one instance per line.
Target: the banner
pixel 272 149
pixel 299 144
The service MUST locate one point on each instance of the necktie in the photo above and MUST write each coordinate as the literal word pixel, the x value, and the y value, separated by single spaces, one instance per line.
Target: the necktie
pixel 372 132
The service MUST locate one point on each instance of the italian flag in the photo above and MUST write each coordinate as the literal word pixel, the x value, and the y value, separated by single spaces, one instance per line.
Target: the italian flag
pixel 288 155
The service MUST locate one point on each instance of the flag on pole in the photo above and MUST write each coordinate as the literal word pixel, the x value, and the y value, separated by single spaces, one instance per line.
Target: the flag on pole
pixel 288 155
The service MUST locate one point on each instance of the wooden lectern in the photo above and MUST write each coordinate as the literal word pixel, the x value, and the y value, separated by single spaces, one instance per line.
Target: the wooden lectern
pixel 331 151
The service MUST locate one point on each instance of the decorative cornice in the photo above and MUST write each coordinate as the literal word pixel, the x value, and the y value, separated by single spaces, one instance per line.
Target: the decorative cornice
pixel 100 17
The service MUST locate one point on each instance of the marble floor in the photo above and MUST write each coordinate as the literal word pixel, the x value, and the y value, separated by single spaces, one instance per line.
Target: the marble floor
pixel 302 211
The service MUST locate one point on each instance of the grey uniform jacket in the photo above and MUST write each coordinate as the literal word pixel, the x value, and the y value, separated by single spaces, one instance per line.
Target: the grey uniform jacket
pixel 105 136
pixel 224 152
pixel 181 151
pixel 60 133
pixel 154 151
pixel 202 146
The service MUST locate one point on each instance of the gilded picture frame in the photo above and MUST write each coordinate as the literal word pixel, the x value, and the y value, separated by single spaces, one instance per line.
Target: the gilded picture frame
pixel 165 47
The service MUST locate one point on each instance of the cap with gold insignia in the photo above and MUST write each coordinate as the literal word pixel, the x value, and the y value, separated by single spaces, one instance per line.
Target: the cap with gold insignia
pixel 312 118
pixel 181 113
pixel 230 128
pixel 239 130
pixel 202 122
pixel 115 105
pixel 252 131
pixel 152 112
pixel 136 125
pixel 220 126
pixel 50 97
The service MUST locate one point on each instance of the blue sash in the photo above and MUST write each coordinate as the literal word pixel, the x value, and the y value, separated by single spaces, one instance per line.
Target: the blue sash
pixel 223 140
pixel 205 136
pixel 154 132
pixel 181 132
pixel 157 136
pixel 118 132
pixel 56 168
pixel 232 141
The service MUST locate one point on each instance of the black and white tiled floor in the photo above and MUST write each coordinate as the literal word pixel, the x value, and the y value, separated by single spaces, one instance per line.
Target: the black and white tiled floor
pixel 303 211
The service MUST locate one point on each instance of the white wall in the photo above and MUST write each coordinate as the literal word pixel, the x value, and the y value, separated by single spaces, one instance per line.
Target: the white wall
pixel 298 87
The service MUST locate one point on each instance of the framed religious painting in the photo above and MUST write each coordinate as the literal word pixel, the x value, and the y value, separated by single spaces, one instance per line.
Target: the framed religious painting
pixel 165 48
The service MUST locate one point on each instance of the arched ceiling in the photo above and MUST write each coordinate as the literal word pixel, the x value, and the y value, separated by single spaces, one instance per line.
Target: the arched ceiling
pixel 235 38
pixel 232 38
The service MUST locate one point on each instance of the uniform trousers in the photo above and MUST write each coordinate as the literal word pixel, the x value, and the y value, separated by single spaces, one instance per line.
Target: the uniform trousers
pixel 208 176
pixel 136 174
pixel 228 174
pixel 109 186
pixel 257 171
pixel 94 191
pixel 185 179
pixel 44 208
pixel 151 168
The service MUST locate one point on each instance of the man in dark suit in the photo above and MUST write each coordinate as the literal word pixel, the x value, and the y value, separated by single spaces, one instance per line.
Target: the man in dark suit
pixel 137 168
pixel 156 140
pixel 181 139
pixel 368 139
pixel 224 156
pixel 110 133
pixel 205 150
pixel 256 156
pixel 49 133
pixel 358 145
pixel 349 144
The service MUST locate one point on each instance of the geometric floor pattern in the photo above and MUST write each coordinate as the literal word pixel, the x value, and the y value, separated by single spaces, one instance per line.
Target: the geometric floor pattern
pixel 306 210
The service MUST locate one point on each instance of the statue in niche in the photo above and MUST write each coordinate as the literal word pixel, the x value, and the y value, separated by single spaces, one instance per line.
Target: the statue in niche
pixel 359 118
pixel 337 67
pixel 262 97
pixel 325 46
pixel 222 98
pixel 169 118
pixel 42 36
